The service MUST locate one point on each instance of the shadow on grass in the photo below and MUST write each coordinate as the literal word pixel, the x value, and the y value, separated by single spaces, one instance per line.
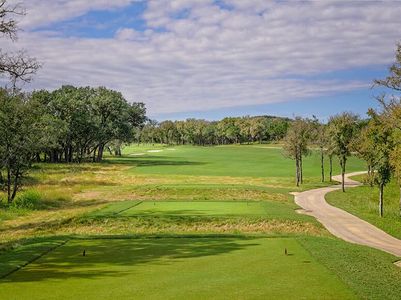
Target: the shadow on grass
pixel 150 161
pixel 116 257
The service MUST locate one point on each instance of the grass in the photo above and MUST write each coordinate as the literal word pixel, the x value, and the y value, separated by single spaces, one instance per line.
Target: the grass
pixel 364 202
pixel 177 268
pixel 224 215
pixel 238 161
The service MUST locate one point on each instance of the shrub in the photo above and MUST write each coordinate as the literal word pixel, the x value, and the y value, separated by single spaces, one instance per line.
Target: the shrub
pixel 27 200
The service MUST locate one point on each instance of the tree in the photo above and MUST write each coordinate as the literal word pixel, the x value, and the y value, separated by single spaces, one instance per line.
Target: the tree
pixel 319 135
pixel 364 146
pixel 391 114
pixel 17 66
pixel 296 145
pixel 20 127
pixel 341 130
pixel 382 138
pixel 396 165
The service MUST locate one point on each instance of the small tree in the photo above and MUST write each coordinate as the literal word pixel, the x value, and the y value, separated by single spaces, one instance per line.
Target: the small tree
pixel 342 129
pixel 296 145
pixel 319 136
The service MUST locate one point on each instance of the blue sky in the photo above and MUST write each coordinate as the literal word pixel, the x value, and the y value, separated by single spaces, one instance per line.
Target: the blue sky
pixel 211 59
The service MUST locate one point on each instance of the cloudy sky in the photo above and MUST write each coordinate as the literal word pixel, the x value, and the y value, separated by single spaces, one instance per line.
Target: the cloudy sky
pixel 205 58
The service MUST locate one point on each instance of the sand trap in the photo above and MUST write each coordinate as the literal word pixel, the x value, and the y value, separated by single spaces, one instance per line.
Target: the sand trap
pixel 137 154
pixel 154 151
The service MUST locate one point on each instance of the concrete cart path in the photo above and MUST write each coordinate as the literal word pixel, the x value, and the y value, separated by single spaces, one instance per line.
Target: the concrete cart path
pixel 343 224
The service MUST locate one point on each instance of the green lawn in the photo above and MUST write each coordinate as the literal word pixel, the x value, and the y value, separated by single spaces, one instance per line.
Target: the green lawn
pixel 364 202
pixel 266 209
pixel 184 222
pixel 240 160
pixel 176 268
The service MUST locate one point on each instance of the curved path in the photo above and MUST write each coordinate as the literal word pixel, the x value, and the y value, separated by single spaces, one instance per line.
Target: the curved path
pixel 343 224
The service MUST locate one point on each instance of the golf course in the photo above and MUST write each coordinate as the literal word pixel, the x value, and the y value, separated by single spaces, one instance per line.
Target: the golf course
pixel 182 222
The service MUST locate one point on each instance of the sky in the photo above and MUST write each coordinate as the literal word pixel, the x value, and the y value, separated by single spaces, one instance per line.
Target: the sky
pixel 216 58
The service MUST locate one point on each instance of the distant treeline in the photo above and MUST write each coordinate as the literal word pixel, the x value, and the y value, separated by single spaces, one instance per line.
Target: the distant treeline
pixel 226 131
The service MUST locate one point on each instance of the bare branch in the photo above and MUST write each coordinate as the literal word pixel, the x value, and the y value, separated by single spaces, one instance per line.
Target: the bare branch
pixel 18 66
pixel 8 25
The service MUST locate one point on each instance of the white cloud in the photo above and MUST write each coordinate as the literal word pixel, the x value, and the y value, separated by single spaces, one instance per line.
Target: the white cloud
pixel 208 57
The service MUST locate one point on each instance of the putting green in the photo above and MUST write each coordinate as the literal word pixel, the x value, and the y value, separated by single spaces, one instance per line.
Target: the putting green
pixel 176 268
pixel 196 208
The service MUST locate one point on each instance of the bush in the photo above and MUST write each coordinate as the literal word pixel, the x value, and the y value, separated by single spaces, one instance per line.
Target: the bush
pixel 27 200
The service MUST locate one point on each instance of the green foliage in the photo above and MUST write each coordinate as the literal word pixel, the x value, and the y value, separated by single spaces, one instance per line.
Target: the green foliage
pixel 27 200
pixel 229 130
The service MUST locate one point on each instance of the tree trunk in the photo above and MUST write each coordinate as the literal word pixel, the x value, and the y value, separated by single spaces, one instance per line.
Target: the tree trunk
pixel 9 200
pixel 381 188
pixel 331 167
pixel 343 162
pixel 301 173
pixel 322 162
pixel 100 153
pixel 15 187
pixel 297 171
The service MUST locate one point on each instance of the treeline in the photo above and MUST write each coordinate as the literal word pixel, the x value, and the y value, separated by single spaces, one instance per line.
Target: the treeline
pixel 231 130
pixel 69 125
pixel 376 140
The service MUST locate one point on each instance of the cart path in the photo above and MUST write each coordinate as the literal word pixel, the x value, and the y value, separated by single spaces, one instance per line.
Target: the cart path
pixel 343 224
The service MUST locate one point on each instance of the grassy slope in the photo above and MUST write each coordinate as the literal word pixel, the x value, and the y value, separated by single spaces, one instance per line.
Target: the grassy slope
pixel 363 202
pixel 178 268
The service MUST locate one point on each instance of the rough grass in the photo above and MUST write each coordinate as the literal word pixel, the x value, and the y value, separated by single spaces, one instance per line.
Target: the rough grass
pixel 369 272
pixel 364 202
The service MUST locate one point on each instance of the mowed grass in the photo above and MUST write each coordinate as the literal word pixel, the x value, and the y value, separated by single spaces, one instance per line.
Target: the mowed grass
pixel 237 160
pixel 176 268
pixel 209 208
pixel 364 202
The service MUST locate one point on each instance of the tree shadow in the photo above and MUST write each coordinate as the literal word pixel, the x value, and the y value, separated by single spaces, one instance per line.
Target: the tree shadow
pixel 150 161
pixel 117 257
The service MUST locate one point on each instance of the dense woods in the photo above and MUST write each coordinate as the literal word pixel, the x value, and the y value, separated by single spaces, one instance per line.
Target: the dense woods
pixel 231 130
pixel 66 125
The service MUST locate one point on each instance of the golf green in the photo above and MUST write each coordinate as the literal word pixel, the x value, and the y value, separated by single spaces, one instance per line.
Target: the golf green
pixel 176 268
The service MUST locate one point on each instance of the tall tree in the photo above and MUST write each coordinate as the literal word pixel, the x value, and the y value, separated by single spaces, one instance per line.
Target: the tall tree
pixel 341 130
pixel 391 105
pixel 395 162
pixel 20 137
pixel 382 138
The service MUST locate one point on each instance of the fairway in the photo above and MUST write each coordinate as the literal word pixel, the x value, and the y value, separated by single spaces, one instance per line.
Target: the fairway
pixel 176 268
pixel 244 160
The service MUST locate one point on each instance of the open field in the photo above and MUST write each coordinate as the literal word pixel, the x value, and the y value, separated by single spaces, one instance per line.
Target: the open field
pixel 363 202
pixel 224 215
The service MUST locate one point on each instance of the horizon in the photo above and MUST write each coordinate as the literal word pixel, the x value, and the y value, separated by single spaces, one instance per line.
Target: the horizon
pixel 213 59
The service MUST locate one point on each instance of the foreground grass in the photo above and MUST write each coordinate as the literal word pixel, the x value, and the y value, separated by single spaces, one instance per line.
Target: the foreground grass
pixel 199 268
pixel 215 266
pixel 363 202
